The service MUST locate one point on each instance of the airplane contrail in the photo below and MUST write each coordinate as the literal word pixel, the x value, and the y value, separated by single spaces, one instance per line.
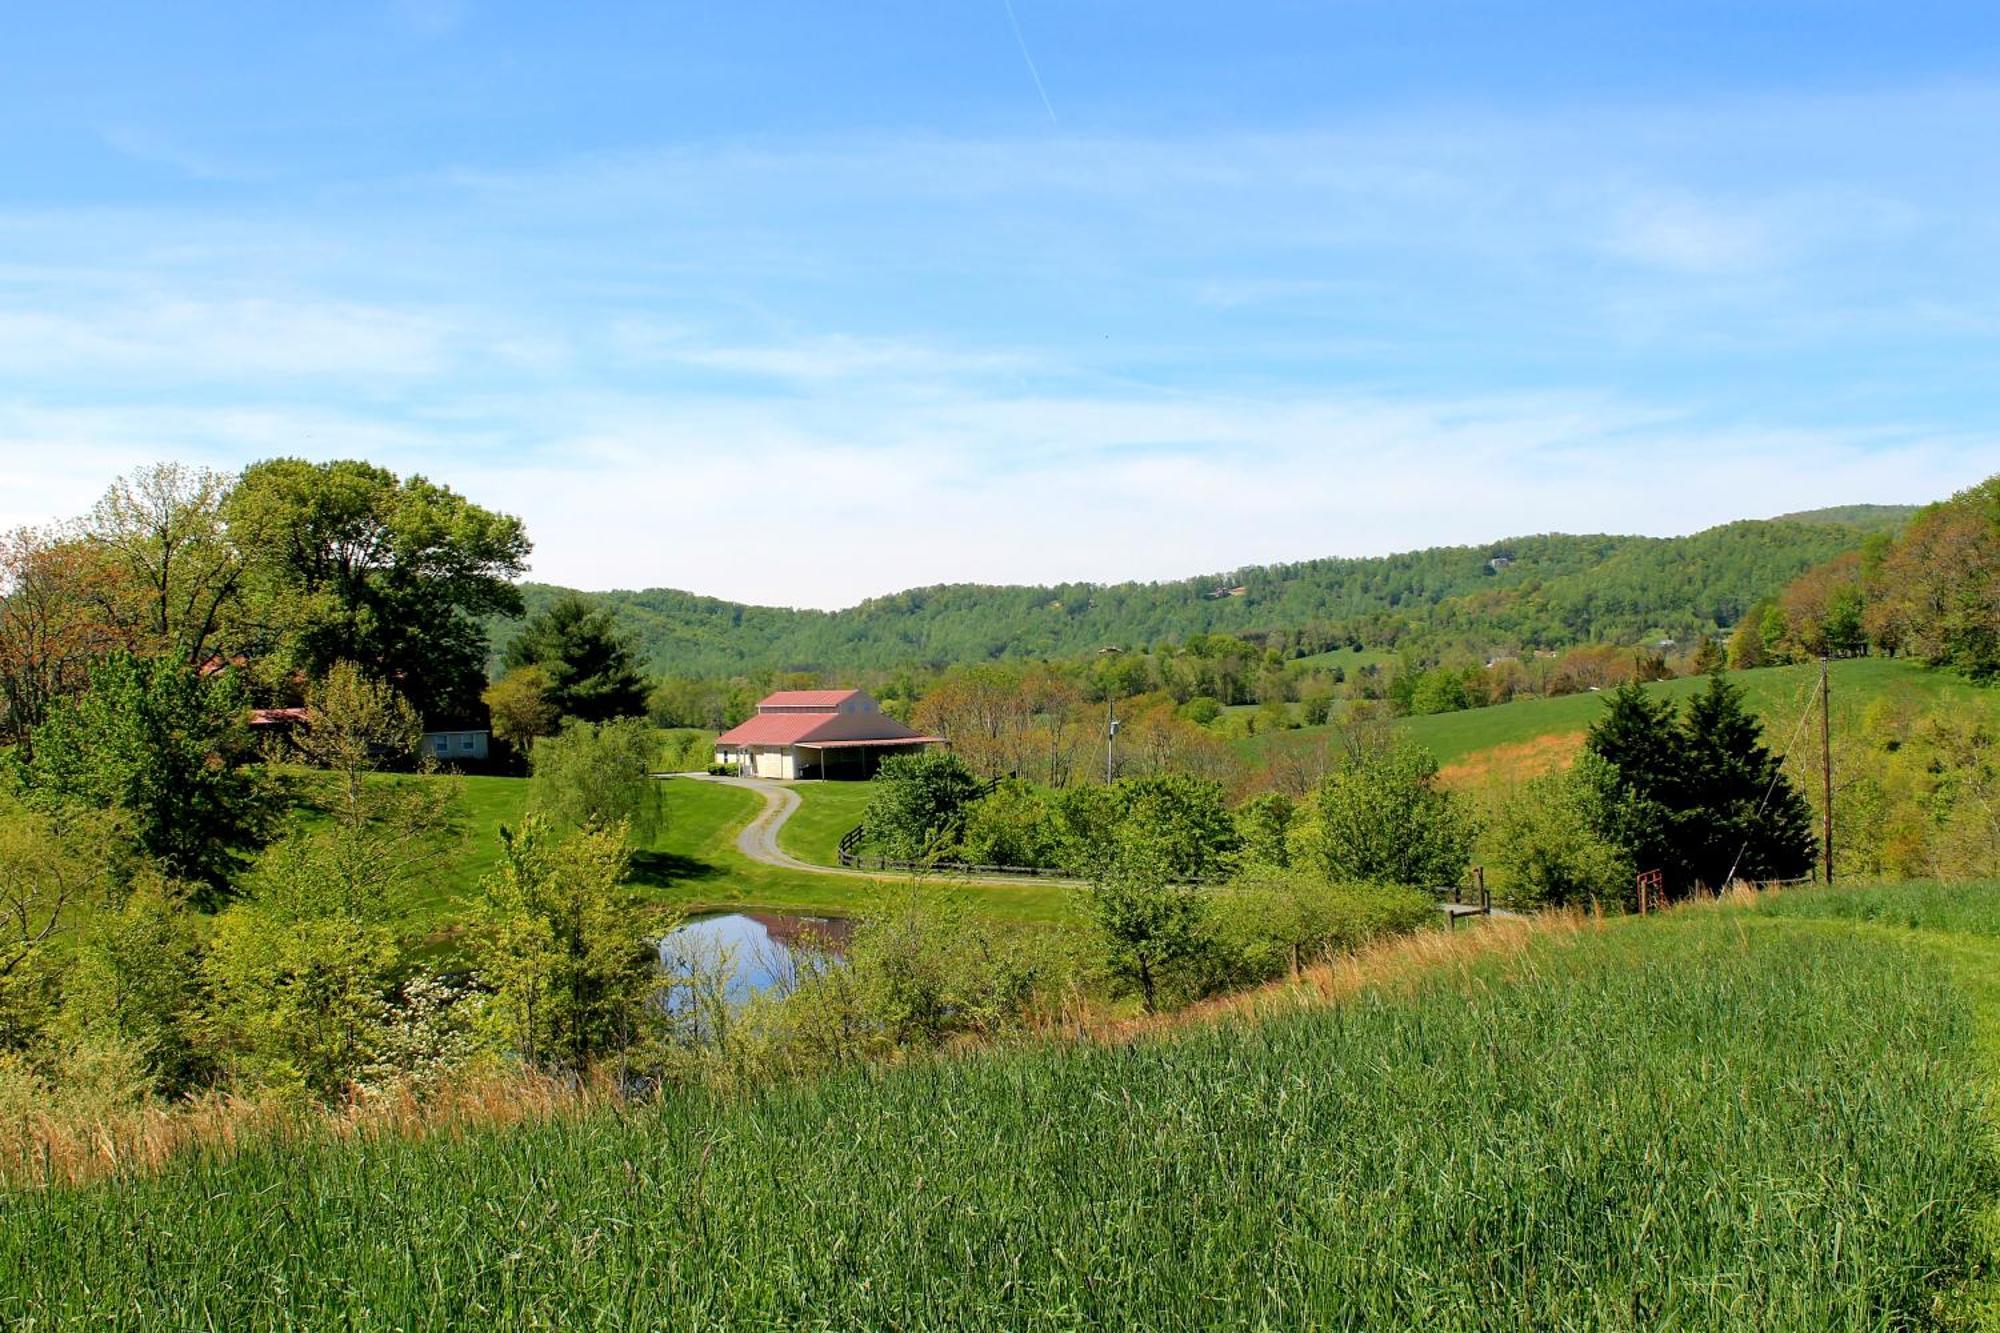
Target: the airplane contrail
pixel 1033 73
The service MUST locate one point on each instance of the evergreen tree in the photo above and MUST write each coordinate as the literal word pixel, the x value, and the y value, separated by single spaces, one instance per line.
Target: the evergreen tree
pixel 1700 798
pixel 1639 742
pixel 590 670
pixel 1742 814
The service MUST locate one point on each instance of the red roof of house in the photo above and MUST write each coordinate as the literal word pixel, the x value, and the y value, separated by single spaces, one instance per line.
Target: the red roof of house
pixel 826 699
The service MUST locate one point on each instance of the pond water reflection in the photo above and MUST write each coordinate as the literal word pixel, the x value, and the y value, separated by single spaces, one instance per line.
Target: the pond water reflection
pixel 759 951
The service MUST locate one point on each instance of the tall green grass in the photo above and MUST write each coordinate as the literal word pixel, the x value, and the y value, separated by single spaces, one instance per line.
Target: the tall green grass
pixel 1958 909
pixel 1717 1120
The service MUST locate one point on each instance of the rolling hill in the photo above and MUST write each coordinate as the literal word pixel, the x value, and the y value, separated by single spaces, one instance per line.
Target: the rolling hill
pixel 1545 591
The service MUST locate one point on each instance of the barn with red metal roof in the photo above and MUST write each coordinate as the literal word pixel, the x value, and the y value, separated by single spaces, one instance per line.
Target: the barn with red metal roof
pixel 816 734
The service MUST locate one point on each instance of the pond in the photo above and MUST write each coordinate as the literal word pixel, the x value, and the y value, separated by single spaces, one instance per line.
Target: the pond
pixel 762 951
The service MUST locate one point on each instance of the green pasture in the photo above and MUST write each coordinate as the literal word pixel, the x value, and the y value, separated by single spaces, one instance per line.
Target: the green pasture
pixel 693 863
pixel 826 812
pixel 1779 695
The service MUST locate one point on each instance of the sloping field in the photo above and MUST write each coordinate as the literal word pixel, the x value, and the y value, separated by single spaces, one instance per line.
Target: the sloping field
pixel 1726 1118
pixel 1779 695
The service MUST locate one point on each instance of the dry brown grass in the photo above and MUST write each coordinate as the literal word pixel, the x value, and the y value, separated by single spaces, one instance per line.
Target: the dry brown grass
pixel 1513 763
pixel 47 1149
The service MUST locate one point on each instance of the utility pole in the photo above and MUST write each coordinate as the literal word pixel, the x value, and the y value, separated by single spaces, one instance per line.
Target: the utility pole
pixel 1110 719
pixel 1826 763
pixel 1110 739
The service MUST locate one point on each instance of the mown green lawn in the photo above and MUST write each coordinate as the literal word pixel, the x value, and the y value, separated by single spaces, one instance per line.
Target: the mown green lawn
pixel 1765 1118
pixel 693 864
pixel 1780 695
pixel 827 811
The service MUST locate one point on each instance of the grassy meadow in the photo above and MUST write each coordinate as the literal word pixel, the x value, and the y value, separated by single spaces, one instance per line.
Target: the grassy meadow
pixel 1764 1117
pixel 1531 735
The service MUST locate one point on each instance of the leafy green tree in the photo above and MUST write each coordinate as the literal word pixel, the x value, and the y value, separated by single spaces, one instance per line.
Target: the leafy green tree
pixel 598 775
pixel 571 963
pixel 139 979
pixel 57 867
pixel 346 562
pixel 1010 827
pixel 1939 585
pixel 1382 818
pixel 1438 691
pixel 356 726
pixel 1152 924
pixel 1552 842
pixel 1265 825
pixel 166 747
pixel 169 569
pixel 1746 643
pixel 304 968
pixel 520 707
pixel 588 665
pixel 919 804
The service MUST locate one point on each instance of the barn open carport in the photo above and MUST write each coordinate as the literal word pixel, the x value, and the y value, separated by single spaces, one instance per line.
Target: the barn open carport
pixel 855 760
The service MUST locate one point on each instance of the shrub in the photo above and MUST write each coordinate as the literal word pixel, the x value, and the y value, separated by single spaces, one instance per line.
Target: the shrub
pixel 1551 841
pixel 1270 921
pixel 919 804
pixel 597 775
pixel 1382 818
pixel 1012 826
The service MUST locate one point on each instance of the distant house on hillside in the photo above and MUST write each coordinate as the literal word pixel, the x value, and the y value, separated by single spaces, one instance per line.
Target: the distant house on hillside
pixel 816 734
pixel 466 745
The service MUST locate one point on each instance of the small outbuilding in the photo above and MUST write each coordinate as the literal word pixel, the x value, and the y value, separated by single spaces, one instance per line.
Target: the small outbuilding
pixel 816 734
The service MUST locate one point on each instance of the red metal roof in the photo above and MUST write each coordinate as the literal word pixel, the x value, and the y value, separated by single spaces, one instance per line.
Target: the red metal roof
pixel 825 699
pixel 816 729
pixel 774 729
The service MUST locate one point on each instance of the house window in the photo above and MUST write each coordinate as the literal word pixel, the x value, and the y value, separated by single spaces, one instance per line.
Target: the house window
pixel 443 745
pixel 466 745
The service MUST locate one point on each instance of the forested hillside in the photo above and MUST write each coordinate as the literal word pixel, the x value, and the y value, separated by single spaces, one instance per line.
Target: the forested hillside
pixel 1521 593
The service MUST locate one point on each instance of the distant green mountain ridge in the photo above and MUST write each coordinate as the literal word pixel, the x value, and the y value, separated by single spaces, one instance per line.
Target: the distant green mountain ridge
pixel 1519 594
pixel 1868 518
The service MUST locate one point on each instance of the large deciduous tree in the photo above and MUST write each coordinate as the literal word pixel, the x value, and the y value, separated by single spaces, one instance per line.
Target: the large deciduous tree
pixel 347 562
pixel 919 804
pixel 51 628
pixel 1939 586
pixel 170 566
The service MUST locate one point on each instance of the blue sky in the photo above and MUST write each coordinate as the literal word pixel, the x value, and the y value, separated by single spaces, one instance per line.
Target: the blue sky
pixel 803 303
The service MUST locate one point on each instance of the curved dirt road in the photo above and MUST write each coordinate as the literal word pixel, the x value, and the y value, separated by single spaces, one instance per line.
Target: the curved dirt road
pixel 759 838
